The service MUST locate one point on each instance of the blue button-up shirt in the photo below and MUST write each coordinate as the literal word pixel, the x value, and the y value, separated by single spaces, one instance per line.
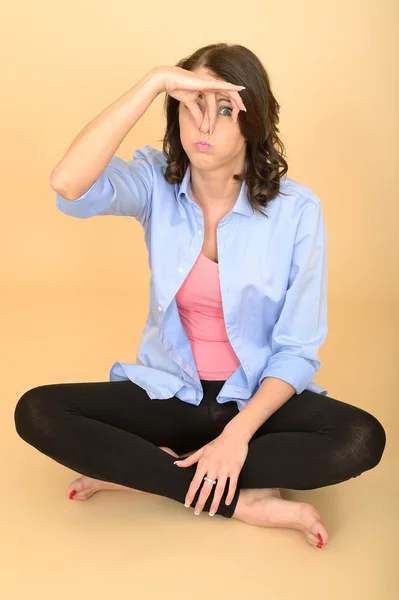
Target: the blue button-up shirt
pixel 273 279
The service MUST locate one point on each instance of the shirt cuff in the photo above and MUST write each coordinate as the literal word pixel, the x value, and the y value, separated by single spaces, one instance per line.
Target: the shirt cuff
pixel 92 202
pixel 295 370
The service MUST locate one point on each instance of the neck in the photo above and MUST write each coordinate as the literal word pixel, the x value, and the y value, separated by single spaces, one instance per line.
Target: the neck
pixel 216 188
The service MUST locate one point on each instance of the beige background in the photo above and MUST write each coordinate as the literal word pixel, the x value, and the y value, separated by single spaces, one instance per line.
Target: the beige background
pixel 75 292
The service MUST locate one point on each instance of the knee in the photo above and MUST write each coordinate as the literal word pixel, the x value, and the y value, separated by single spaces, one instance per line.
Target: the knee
pixel 365 441
pixel 30 414
pixel 376 437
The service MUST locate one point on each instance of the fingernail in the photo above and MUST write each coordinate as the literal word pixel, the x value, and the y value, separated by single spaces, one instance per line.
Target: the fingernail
pixel 187 505
pixel 196 513
pixel 211 514
pixel 320 538
pixel 320 545
pixel 235 120
pixel 71 495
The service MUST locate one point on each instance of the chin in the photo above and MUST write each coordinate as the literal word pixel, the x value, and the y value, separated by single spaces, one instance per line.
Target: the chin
pixel 203 163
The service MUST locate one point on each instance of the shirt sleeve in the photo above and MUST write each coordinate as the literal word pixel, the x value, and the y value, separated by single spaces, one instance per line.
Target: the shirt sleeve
pixel 124 188
pixel 302 325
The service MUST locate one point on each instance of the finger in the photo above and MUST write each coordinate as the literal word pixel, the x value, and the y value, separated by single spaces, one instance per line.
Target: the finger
pixel 196 112
pixel 211 105
pixel 232 488
pixel 205 492
pixel 204 128
pixel 235 110
pixel 218 84
pixel 238 100
pixel 220 487
pixel 190 460
pixel 237 106
pixel 194 485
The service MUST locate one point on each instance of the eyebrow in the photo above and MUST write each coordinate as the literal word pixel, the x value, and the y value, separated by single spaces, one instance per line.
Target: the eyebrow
pixel 220 99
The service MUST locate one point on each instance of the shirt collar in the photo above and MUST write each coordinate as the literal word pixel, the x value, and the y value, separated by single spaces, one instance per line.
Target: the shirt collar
pixel 241 206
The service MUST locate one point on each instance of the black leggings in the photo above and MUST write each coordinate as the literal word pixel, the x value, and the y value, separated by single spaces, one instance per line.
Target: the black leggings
pixel 112 431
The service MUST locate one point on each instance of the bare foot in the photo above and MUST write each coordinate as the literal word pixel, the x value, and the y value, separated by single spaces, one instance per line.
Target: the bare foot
pixel 266 508
pixel 84 487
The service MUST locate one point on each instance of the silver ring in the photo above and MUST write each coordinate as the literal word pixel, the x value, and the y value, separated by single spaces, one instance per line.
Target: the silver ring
pixel 209 479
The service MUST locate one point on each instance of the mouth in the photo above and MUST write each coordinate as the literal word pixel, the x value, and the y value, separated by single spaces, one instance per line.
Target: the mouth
pixel 202 145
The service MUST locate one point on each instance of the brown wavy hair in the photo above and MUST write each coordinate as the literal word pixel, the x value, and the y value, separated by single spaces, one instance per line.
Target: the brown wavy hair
pixel 264 150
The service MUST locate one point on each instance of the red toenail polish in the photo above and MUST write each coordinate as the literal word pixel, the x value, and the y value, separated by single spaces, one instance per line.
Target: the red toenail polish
pixel 71 495
pixel 320 538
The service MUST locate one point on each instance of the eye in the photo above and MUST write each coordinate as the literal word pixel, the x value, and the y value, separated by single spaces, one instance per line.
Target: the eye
pixel 227 108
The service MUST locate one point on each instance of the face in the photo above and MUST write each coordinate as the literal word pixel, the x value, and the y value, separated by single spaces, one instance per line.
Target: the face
pixel 227 141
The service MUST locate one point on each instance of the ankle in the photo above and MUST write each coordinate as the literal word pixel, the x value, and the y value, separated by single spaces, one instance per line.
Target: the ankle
pixel 248 496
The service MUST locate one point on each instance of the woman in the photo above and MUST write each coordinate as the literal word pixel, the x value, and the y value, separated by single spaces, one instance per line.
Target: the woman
pixel 237 314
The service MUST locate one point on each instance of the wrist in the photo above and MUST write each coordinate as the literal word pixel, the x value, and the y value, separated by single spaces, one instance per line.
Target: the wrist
pixel 157 78
pixel 237 431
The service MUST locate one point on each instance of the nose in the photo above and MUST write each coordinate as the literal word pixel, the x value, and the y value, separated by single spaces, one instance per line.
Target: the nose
pixel 204 128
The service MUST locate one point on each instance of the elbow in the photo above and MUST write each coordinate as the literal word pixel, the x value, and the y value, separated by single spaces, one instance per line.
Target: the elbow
pixel 61 188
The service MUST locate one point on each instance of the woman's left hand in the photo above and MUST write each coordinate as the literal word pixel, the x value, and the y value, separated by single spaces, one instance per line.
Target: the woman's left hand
pixel 220 459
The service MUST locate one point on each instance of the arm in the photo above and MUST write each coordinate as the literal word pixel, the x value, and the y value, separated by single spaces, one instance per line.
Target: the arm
pixel 299 331
pixel 95 145
pixel 272 394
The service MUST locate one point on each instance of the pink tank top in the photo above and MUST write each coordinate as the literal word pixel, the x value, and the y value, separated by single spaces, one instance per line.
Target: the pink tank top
pixel 199 303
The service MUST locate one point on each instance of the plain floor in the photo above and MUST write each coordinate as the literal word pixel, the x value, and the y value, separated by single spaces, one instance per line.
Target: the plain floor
pixel 120 544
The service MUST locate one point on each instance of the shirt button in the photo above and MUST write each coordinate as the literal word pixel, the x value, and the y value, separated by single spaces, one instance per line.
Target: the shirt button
pixel 180 270
pixel 160 308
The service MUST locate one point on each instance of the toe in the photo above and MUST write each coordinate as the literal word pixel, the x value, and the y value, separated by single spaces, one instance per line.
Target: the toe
pixel 311 519
pixel 79 489
pixel 83 495
pixel 72 490
pixel 320 532
pixel 312 539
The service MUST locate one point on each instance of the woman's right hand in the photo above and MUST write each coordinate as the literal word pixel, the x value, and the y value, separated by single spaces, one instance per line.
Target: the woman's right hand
pixel 185 86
